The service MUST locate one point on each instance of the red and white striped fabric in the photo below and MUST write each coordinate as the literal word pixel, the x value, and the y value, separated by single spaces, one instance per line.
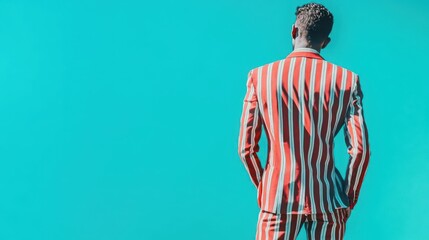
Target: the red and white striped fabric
pixel 273 226
pixel 303 101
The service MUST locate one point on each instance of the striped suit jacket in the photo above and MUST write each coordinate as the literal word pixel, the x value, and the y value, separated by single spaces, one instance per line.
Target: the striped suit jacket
pixel 303 101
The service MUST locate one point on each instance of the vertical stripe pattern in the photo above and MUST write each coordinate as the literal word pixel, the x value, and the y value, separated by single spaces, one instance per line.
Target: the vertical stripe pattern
pixel 302 101
pixel 320 226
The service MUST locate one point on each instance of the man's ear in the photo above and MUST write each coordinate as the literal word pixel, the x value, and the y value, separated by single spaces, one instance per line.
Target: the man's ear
pixel 326 42
pixel 294 32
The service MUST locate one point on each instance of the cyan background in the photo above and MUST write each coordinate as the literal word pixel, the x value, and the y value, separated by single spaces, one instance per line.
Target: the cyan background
pixel 120 119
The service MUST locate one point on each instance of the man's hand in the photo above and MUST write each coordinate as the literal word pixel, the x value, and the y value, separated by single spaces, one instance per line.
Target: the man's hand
pixel 348 213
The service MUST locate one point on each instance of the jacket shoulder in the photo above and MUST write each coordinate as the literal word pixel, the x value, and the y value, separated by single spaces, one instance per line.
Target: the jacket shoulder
pixel 264 66
pixel 348 71
pixel 352 77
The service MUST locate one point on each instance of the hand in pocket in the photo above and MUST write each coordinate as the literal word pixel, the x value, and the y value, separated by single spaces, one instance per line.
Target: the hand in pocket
pixel 348 213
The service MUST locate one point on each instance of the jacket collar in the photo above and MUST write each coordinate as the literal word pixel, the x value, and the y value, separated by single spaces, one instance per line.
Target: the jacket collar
pixel 305 52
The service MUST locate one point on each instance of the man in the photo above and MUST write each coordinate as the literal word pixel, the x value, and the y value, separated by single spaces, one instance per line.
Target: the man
pixel 302 101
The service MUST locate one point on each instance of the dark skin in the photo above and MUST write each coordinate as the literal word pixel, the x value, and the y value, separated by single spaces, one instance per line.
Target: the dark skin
pixel 300 40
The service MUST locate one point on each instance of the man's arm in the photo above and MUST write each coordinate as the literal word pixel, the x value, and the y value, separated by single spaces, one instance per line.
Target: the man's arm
pixel 250 133
pixel 356 136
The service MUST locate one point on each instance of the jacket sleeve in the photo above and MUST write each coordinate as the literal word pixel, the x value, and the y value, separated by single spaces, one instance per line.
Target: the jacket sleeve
pixel 356 137
pixel 250 133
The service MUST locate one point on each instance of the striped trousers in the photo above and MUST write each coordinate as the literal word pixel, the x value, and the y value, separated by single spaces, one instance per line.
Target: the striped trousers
pixel 318 226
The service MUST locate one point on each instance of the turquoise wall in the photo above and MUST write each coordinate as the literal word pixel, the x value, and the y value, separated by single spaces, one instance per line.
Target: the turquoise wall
pixel 120 119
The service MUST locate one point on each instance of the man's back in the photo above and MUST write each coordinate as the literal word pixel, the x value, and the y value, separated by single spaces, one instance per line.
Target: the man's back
pixel 302 101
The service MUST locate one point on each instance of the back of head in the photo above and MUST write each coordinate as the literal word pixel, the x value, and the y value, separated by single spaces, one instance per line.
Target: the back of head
pixel 314 22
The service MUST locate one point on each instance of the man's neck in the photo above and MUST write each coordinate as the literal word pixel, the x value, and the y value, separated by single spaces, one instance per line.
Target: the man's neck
pixel 305 44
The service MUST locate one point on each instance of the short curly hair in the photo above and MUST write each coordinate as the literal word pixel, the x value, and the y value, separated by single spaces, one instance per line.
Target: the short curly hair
pixel 315 21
